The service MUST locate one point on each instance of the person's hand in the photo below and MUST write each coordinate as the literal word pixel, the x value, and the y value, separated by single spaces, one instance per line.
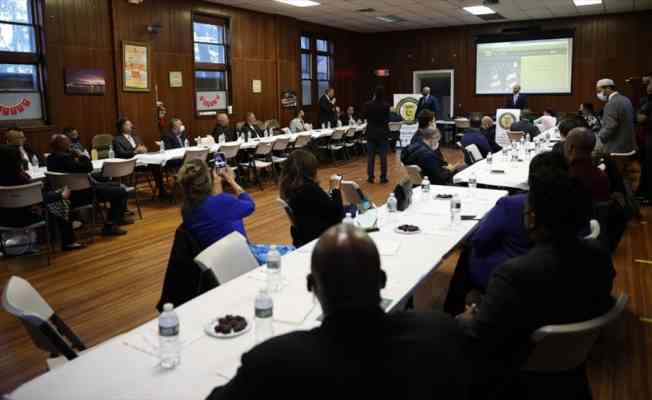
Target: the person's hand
pixel 76 153
pixel 469 313
pixel 333 101
pixel 227 174
pixel 65 192
pixel 335 182
pixel 140 149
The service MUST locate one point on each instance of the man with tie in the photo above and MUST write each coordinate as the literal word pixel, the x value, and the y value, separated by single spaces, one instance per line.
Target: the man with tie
pixel 516 100
pixel 428 102
pixel 250 129
pixel 327 108
pixel 223 131
pixel 176 137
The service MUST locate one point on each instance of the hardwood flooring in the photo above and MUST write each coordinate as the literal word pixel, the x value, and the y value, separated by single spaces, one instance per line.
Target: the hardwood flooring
pixel 112 286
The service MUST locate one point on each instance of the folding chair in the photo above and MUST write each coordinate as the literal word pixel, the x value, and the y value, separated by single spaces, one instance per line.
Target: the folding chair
pixel 77 183
pixel 260 160
pixel 228 258
pixel 123 170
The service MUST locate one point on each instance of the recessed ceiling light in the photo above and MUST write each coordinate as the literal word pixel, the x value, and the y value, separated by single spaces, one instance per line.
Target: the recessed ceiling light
pixel 299 3
pixel 580 3
pixel 479 10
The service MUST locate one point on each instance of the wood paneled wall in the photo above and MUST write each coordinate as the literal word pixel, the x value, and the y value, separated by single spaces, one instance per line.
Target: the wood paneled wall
pixel 616 46
pixel 89 34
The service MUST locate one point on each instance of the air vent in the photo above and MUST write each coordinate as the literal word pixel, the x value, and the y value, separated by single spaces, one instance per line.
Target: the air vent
pixel 491 17
pixel 366 10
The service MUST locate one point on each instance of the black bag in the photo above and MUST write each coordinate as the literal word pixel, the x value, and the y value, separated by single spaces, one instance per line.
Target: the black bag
pixel 403 193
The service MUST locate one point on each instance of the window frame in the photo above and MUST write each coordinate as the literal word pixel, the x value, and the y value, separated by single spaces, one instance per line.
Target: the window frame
pixel 224 22
pixel 314 53
pixel 36 59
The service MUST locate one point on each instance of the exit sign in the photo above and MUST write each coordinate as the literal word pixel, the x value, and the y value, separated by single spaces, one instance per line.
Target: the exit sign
pixel 381 72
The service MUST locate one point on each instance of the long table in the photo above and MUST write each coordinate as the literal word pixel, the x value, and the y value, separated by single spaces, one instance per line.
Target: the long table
pixel 125 367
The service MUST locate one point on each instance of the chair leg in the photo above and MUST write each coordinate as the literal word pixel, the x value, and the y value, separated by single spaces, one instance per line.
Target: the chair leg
pixel 140 212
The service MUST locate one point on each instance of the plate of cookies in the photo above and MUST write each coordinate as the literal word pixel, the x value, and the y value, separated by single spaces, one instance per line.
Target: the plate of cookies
pixel 228 326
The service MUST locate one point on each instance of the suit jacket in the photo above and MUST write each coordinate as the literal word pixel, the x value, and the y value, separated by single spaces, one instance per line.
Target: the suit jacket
pixel 431 162
pixel 521 102
pixel 326 111
pixel 430 103
pixel 171 142
pixel 124 149
pixel 229 133
pixel 490 134
pixel 473 136
pixel 617 133
pixel 366 354
pixel 66 163
pixel 525 126
pixel 250 132
pixel 314 212
pixel 377 116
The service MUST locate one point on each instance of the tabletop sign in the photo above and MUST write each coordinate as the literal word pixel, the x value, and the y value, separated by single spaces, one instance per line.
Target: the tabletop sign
pixel 505 117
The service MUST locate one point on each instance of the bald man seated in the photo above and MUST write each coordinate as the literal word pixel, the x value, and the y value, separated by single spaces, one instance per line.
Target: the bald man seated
pixel 358 349
pixel 222 131
pixel 578 147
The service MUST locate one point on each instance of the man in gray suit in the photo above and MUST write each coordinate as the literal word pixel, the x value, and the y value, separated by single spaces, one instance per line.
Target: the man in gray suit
pixel 617 133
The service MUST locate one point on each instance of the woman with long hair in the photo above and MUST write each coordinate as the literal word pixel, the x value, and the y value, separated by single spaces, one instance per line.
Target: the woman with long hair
pixel 377 113
pixel 314 210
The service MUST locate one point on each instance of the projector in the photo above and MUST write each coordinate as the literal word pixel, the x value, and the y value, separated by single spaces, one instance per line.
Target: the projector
pixel 490 2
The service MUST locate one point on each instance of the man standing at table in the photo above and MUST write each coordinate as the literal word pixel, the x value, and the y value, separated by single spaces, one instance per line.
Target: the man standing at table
pixel 222 129
pixel 358 349
pixel 516 100
pixel 327 112
pixel 427 102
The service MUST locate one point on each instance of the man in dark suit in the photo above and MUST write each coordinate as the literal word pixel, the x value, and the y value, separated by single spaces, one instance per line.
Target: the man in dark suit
pixel 524 125
pixel 488 129
pixel 327 112
pixel 376 112
pixel 428 102
pixel 223 131
pixel 358 349
pixel 516 100
pixel 250 129
pixel 175 137
pixel 473 135
pixel 424 152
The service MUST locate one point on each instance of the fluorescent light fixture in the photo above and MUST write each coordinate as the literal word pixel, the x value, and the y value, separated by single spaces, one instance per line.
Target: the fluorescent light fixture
pixel 479 10
pixel 580 3
pixel 299 3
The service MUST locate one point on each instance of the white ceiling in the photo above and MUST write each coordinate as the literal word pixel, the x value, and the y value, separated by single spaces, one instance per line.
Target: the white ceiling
pixel 428 13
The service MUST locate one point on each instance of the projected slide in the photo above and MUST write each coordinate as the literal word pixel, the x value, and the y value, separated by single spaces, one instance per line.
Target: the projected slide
pixel 540 66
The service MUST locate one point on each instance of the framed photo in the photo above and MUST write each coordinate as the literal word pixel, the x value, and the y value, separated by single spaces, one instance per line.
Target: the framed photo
pixel 135 65
pixel 85 82
pixel 176 79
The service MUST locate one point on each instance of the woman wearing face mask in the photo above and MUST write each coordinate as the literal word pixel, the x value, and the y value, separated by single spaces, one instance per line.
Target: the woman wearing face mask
pixel 75 142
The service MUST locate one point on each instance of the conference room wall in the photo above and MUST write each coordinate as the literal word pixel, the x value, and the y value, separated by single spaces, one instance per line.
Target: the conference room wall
pixel 89 34
pixel 616 45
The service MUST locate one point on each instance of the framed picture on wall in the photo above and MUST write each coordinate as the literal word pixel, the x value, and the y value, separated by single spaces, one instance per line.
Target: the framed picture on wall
pixel 85 82
pixel 135 65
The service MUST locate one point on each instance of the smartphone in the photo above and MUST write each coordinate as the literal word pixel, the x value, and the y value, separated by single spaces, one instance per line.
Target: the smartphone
pixel 219 161
pixel 467 217
pixel 497 171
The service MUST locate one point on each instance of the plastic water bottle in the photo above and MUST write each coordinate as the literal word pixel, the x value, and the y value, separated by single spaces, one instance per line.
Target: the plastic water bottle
pixel 323 125
pixel 527 138
pixel 348 219
pixel 425 185
pixel 111 152
pixel 328 124
pixel 274 277
pixel 490 160
pixel 168 337
pixel 264 311
pixel 186 143
pixel 339 123
pixel 473 182
pixel 35 162
pixel 392 203
pixel 162 146
pixel 456 209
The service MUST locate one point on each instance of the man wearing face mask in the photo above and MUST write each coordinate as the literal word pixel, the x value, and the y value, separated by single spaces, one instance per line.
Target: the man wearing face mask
pixel 617 133
pixel 425 153
pixel 516 100
pixel 427 102
pixel 176 136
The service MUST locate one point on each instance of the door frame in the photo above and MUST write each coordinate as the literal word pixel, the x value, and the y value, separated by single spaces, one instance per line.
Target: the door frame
pixel 417 76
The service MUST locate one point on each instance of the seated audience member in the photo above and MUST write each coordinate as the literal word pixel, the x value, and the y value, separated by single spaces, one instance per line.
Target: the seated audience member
pixel 488 129
pixel 426 120
pixel 394 116
pixel 425 153
pixel 565 127
pixel 578 148
pixel 562 279
pixel 587 113
pixel 75 142
pixel 66 160
pixel 127 144
pixel 349 118
pixel 524 125
pixel 16 137
pixel 313 209
pixel 222 131
pixel 546 121
pixel 422 356
pixel 12 174
pixel 298 124
pixel 473 135
pixel 208 213
pixel 175 137
pixel 250 129
pixel 338 116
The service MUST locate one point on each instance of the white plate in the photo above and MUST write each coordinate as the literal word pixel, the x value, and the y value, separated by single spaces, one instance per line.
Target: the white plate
pixel 210 330
pixel 406 233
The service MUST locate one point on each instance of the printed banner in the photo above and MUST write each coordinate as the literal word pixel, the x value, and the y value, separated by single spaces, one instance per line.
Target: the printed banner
pixel 211 101
pixel 15 106
pixel 406 105
pixel 505 117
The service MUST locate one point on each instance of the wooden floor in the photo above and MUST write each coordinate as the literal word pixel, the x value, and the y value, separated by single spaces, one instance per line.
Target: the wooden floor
pixel 113 285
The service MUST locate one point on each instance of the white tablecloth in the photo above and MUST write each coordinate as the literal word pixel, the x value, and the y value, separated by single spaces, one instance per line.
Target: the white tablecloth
pixel 116 369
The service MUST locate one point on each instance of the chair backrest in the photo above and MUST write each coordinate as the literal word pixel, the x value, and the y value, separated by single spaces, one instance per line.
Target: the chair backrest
pixel 19 298
pixel 595 230
pixel 101 143
pixel 515 136
pixel 228 258
pixel 462 123
pixel 73 181
pixel 281 144
pixel 195 154
pixel 565 347
pixel 474 152
pixel 263 149
pixel 230 150
pixel 288 210
pixel 302 140
pixel 118 168
pixel 338 134
pixel 414 172
pixel 395 126
pixel 21 196
pixel 350 192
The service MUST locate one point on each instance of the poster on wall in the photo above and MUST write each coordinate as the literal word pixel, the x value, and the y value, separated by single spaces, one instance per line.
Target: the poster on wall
pixel 406 105
pixel 135 62
pixel 85 82
pixel 176 79
pixel 15 106
pixel 257 86
pixel 288 99
pixel 505 117
pixel 208 103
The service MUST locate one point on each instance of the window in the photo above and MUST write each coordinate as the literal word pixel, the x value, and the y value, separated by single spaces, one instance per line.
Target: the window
pixel 21 95
pixel 211 64
pixel 316 68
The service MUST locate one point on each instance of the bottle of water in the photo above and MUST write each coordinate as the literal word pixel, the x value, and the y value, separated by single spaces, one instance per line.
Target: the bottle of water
pixel 392 203
pixel 425 185
pixel 527 138
pixel 328 124
pixel 323 125
pixel 111 152
pixel 490 160
pixel 162 147
pixel 186 143
pixel 35 163
pixel 168 337
pixel 264 311
pixel 274 277
pixel 456 209
pixel 348 219
pixel 473 182
pixel 339 123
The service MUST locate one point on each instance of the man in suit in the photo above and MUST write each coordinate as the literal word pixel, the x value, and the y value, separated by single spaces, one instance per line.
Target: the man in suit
pixel 223 131
pixel 516 100
pixel 250 129
pixel 358 349
pixel 473 135
pixel 327 112
pixel 376 112
pixel 428 102
pixel 524 125
pixel 424 152
pixel 175 137
pixel 488 129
